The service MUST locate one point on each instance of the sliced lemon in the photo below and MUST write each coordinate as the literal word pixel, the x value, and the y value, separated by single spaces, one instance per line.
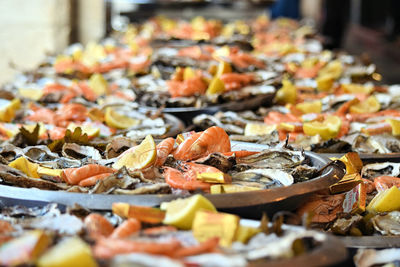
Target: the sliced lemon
pixel 31 93
pixel 354 88
pixel 72 251
pixel 31 128
pixel 327 129
pixel 223 67
pixel 24 165
pixel 8 108
pixel 9 129
pixel 221 52
pixel 216 87
pixel 252 129
pixel 395 126
pixel 98 84
pixel 116 120
pixel 181 212
pixel 385 201
pixel 333 69
pixel 50 172
pixel 287 93
pixel 325 82
pixel 140 157
pixel 370 105
pixel 86 129
pixel 188 73
pixel 310 107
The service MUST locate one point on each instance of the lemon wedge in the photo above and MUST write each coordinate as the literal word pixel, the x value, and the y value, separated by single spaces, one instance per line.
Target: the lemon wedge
pixel 370 105
pixel 48 171
pixel 98 84
pixel 188 73
pixel 310 107
pixel 139 157
pixel 385 201
pixel 116 120
pixel 354 88
pixel 72 251
pixel 216 87
pixel 395 126
pixel 287 93
pixel 181 212
pixel 86 129
pixel 8 108
pixel 327 129
pixel 25 166
pixel 31 93
pixel 223 67
pixel 31 128
pixel 252 129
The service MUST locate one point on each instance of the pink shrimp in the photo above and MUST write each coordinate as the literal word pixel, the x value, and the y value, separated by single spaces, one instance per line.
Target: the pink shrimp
pixel 127 228
pixel 75 175
pixel 179 180
pixel 385 182
pixel 44 115
pixel 214 139
pixel 204 247
pixel 164 148
pixel 106 248
pixel 234 81
pixel 92 180
pixel 189 87
pixel 97 226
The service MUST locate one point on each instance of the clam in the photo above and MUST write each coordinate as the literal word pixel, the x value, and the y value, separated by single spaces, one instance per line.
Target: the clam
pixel 377 169
pixel 388 224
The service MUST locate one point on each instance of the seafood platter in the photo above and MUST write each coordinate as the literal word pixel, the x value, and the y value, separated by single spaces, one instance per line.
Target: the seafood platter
pixel 173 142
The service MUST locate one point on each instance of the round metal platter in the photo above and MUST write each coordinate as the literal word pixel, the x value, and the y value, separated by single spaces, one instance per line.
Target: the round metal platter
pixel 247 204
pixel 371 241
pixel 177 126
pixel 188 113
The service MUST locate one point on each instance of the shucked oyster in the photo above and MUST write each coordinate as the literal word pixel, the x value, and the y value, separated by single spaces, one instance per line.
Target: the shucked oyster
pixel 388 224
pixel 377 169
pixel 273 159
pixel 263 178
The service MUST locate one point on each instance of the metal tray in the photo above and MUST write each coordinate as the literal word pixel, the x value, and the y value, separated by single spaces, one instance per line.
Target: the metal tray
pixel 246 204
pixel 371 241
pixel 186 114
pixel 177 126
pixel 369 158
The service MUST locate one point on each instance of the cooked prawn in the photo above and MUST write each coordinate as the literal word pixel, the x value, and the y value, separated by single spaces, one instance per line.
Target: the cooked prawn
pixel 214 139
pixel 189 87
pixel 127 228
pixel 75 175
pixel 97 226
pixel 106 248
pixel 385 182
pixel 92 180
pixel 234 81
pixel 205 247
pixel 377 128
pixel 179 180
pixel 158 230
pixel 164 148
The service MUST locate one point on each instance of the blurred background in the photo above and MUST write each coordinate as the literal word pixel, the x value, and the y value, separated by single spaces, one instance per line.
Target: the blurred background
pixel 32 29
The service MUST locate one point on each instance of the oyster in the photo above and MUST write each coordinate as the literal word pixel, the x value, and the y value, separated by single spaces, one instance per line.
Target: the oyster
pixel 388 224
pixel 219 161
pixel 264 178
pixel 273 159
pixel 371 171
pixel 372 257
pixel 75 151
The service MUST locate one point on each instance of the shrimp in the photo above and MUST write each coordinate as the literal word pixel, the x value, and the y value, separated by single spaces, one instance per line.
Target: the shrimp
pixel 344 108
pixel 5 227
pixel 178 180
pixel 158 230
pixel 92 180
pixel 189 87
pixel 44 115
pixel 234 81
pixel 182 148
pixel 244 60
pixel 127 228
pixel 164 148
pixel 377 128
pixel 97 226
pixel 205 247
pixel 70 112
pixel 214 139
pixel 385 182
pixel 57 133
pixel 106 248
pixel 75 175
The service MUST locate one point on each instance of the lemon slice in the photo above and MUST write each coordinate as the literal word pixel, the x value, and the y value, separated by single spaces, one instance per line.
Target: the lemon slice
pixel 24 165
pixel 86 129
pixel 252 129
pixel 354 88
pixel 181 212
pixel 98 84
pixel 287 94
pixel 116 120
pixel 310 107
pixel 395 126
pixel 140 157
pixel 216 87
pixel 327 130
pixel 31 128
pixel 370 105
pixel 223 67
pixel 8 108
pixel 188 73
pixel 31 93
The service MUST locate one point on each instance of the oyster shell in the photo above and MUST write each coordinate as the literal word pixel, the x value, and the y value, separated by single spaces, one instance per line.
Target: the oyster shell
pixel 371 171
pixel 388 224
pixel 75 151
pixel 264 178
pixel 273 159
